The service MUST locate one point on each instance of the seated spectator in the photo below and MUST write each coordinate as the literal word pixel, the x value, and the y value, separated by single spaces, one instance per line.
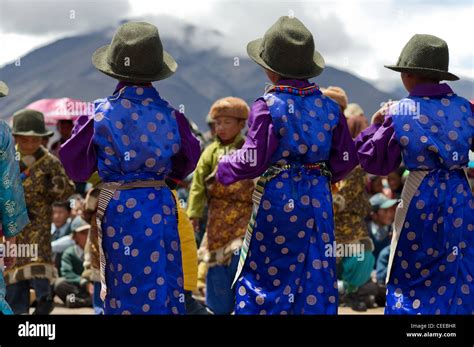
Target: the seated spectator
pixel 71 287
pixel 381 219
pixel 356 275
pixel 60 231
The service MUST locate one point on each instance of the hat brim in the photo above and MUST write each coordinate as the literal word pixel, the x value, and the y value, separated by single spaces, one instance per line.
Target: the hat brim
pixel 254 49
pixel 3 89
pixel 99 60
pixel 33 133
pixel 389 203
pixel 434 73
pixel 81 228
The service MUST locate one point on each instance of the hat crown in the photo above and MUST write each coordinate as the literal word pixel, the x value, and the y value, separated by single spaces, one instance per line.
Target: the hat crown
pixel 288 46
pixel 29 121
pixel 79 224
pixel 426 51
pixel 136 48
pixel 378 199
pixel 427 56
pixel 135 54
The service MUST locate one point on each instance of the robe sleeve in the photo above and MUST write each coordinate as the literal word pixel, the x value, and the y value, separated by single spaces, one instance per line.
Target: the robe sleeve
pixel 78 154
pixel 378 150
pixel 185 161
pixel 343 154
pixel 254 157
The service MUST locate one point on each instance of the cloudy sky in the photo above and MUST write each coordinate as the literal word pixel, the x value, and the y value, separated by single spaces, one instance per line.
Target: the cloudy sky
pixel 358 36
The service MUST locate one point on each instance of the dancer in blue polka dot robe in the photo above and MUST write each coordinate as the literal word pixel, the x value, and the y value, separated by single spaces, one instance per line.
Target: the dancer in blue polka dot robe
pixel 300 142
pixel 431 266
pixel 135 141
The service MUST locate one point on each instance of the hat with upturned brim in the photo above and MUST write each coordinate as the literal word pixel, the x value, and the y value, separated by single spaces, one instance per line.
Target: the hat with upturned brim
pixel 135 54
pixel 3 89
pixel 29 123
pixel 288 49
pixel 427 56
pixel 229 107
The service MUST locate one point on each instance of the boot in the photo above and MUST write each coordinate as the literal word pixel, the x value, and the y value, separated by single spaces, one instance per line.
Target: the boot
pixel 353 301
pixel 44 306
pixel 192 306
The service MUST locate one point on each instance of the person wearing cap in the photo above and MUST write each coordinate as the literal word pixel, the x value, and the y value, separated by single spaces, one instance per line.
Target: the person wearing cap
pixel 71 287
pixel 302 145
pixel 13 213
pixel 432 260
pixel 380 221
pixel 380 225
pixel 137 141
pixel 44 182
pixel 229 206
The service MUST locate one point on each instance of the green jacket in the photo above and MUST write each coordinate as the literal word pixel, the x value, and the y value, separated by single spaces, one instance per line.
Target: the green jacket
pixel 72 264
pixel 205 167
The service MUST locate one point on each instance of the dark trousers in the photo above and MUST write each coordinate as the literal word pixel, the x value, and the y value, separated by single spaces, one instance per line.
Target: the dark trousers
pixel 18 296
pixel 220 296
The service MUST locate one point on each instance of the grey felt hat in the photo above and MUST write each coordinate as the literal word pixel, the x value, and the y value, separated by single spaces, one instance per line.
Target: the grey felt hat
pixel 288 49
pixel 29 123
pixel 135 54
pixel 425 55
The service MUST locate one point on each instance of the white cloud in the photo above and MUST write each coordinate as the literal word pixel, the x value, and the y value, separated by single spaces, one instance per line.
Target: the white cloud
pixel 357 36
pixel 38 18
pixel 387 26
pixel 28 24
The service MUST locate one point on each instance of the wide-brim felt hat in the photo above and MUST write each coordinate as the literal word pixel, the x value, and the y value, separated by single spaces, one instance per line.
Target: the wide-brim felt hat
pixel 425 55
pixel 29 123
pixel 135 54
pixel 3 89
pixel 288 49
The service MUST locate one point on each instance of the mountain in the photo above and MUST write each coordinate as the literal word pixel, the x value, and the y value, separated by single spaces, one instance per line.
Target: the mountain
pixel 63 69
